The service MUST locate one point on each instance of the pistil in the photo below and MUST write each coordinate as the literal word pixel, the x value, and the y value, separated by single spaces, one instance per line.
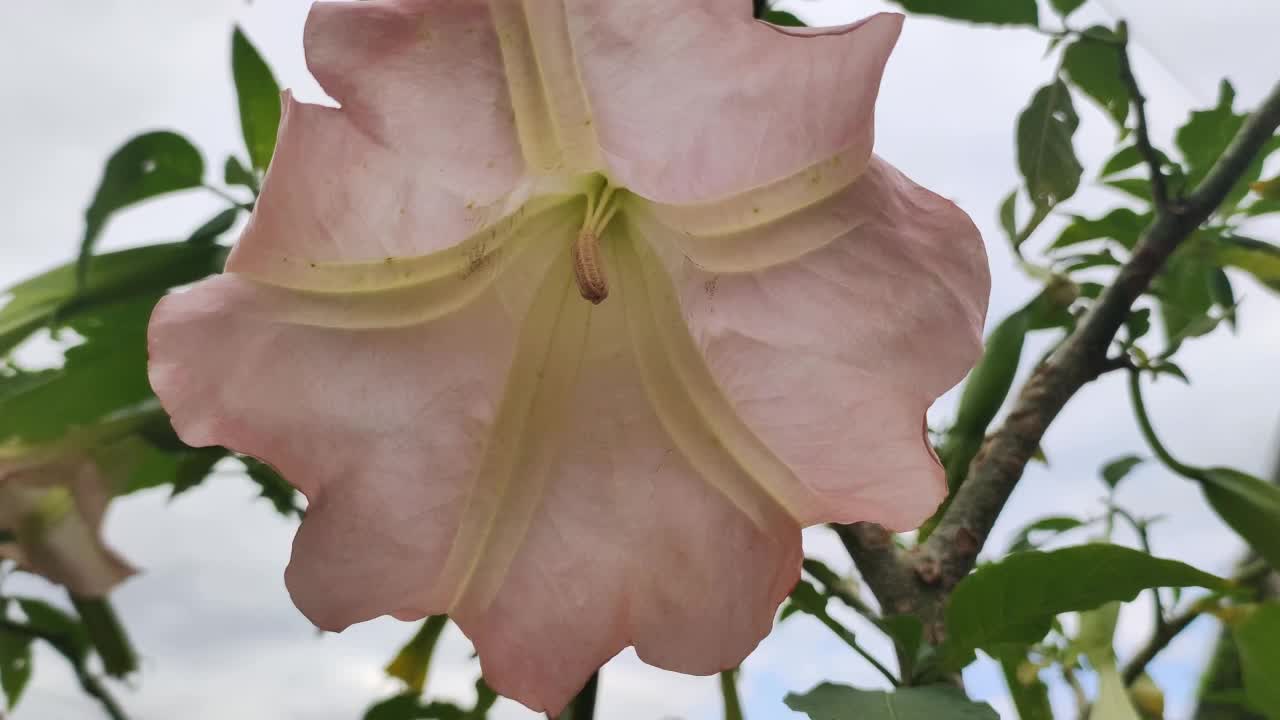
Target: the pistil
pixel 588 265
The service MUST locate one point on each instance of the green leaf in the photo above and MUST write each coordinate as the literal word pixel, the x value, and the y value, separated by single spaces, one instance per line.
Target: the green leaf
pixel 1205 138
pixel 235 173
pixel 107 635
pixel 1046 154
pixel 1118 469
pixel 841 702
pixel 57 626
pixel 274 488
pixel 409 707
pixel 1137 323
pixel 1249 506
pixel 1022 542
pixel 1094 66
pixel 1224 296
pixel 1029 693
pixel 785 19
pixel 1185 290
pixel 1139 188
pixel 1259 259
pixel 15 666
pixel 259 97
pixel 215 227
pixel 1268 190
pixel 411 664
pixel 1122 225
pixel 148 270
pixel 1009 218
pixel 147 166
pixel 1258 640
pixel 1017 599
pixel 107 375
pixel 1262 207
pixel 996 12
pixel 1065 8
pixel 1125 158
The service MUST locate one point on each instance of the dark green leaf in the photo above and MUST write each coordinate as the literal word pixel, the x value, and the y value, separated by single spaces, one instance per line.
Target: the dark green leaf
pixel 1138 324
pixel 114 276
pixel 235 173
pixel 1076 263
pixel 1016 599
pixel 1262 207
pixel 1117 470
pixel 1167 368
pixel 1094 66
pixel 1258 641
pixel 1065 8
pixel 1249 506
pixel 15 666
pixel 1259 259
pixel 215 227
pixel 841 702
pixel 58 627
pixel 192 467
pixel 259 97
pixel 785 19
pixel 1224 296
pixel 147 166
pixel 107 635
pixel 1022 542
pixel 409 707
pixel 274 488
pixel 997 12
pixel 1046 155
pixel 411 664
pixel 1121 225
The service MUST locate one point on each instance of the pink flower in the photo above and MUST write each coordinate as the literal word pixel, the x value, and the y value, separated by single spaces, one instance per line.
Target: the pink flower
pixel 569 320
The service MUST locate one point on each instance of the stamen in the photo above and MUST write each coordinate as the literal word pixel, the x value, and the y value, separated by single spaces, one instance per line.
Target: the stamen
pixel 588 268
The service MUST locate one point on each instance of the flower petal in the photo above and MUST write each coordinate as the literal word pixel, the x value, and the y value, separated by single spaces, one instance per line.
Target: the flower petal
pixel 425 137
pixel 61 543
pixel 723 103
pixel 833 358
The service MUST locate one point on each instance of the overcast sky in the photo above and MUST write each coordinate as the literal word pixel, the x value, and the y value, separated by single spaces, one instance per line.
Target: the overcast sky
pixel 219 636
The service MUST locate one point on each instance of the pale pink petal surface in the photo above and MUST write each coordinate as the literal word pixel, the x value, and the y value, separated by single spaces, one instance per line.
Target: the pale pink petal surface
pixel 401 331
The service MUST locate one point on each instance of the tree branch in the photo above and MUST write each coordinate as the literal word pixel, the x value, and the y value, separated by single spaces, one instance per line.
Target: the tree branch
pixel 922 578
pixel 1159 189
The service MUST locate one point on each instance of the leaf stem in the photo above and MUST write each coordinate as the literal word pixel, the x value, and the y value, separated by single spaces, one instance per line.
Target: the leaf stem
pixel 1149 433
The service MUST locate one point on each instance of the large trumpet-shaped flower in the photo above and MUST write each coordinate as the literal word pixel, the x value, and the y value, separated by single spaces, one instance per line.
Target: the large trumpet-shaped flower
pixel 571 317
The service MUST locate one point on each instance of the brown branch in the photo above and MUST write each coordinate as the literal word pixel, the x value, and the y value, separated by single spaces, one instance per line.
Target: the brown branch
pixel 1159 188
pixel 922 578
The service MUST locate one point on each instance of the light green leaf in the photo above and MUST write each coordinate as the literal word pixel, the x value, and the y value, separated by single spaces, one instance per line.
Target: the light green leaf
pixel 997 12
pixel 1046 153
pixel 841 702
pixel 1185 289
pixel 1009 218
pixel 235 173
pixel 1057 524
pixel 259 97
pixel 147 166
pixel 1016 599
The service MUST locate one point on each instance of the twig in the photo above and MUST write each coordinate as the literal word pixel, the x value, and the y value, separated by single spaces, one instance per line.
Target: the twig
pixel 835 587
pixel 88 681
pixel 1160 639
pixel 950 552
pixel 1159 189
